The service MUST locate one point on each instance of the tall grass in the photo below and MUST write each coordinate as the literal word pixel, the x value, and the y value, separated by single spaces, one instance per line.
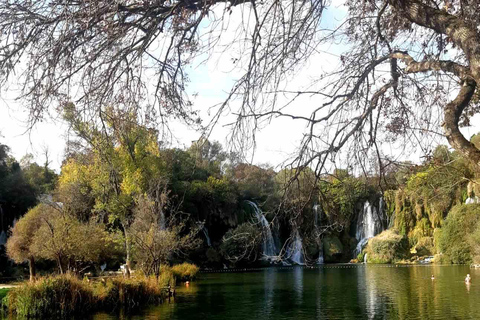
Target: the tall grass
pixel 66 296
pixel 60 296
pixel 184 271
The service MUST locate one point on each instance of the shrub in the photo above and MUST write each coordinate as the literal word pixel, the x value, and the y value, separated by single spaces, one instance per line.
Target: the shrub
pixel 61 296
pixel 129 294
pixel 184 271
pixel 387 247
pixel 453 241
pixel 424 246
pixel 332 249
pixel 65 296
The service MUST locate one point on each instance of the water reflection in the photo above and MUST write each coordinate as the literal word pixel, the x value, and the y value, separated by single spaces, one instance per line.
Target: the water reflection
pixel 270 279
pixel 298 284
pixel 345 292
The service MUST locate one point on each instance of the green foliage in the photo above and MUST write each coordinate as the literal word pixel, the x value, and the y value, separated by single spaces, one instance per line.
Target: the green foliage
pixel 42 178
pixel 17 195
pixel 387 247
pixel 241 243
pixel 340 194
pixel 453 240
pixel 254 182
pixel 425 246
pixel 332 249
pixel 45 232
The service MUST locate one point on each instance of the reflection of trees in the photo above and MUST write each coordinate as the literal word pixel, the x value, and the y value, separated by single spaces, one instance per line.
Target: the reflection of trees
pixel 270 277
pixel 408 292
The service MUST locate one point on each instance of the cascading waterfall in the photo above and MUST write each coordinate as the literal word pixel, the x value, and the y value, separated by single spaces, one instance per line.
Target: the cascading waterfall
pixel 205 232
pixel 369 224
pixel 317 218
pixel 268 246
pixel 295 250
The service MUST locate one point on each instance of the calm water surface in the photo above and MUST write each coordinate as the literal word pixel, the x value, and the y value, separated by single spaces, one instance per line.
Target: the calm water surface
pixel 330 292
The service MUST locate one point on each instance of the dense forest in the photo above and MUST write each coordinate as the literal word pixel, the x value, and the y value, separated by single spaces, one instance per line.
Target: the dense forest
pixel 123 197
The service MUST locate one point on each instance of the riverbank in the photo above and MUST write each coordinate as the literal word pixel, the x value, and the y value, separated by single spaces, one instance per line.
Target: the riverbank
pixel 67 296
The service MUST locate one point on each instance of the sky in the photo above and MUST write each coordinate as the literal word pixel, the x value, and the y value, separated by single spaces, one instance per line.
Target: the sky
pixel 211 80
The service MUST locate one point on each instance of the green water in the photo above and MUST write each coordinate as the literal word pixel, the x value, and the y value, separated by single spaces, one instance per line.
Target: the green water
pixel 331 292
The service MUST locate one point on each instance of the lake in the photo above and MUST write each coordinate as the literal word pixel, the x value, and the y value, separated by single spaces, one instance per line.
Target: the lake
pixel 327 292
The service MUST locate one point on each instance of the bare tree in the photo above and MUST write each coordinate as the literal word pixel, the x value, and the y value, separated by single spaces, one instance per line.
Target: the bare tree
pixel 404 61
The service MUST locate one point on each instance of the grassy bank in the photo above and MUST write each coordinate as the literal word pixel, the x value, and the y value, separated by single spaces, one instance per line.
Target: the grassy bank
pixel 66 296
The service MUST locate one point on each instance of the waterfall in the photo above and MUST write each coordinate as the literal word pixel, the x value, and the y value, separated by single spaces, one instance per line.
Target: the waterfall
pixel 295 250
pixel 320 255
pixel 268 245
pixel 317 220
pixel 369 224
pixel 205 232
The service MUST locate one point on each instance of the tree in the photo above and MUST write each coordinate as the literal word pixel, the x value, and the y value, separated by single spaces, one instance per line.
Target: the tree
pixel 400 63
pixel 17 194
pixel 46 232
pixel 19 244
pixel 106 49
pixel 72 244
pixel 155 242
pixel 42 178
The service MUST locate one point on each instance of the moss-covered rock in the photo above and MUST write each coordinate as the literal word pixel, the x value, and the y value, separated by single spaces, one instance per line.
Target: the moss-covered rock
pixel 424 247
pixel 332 249
pixel 387 247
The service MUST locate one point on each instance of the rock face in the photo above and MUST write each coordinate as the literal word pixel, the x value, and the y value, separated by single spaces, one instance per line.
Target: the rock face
pixel 332 249
pixel 387 247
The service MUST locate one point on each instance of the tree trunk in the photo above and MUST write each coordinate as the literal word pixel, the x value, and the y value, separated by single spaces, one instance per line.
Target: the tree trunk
pixel 31 267
pixel 127 251
pixel 468 39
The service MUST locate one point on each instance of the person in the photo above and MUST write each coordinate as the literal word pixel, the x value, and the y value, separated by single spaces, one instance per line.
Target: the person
pixel 432 277
pixel 468 279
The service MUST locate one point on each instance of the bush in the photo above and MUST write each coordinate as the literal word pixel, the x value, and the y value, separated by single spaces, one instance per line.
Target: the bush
pixel 424 246
pixel 61 297
pixel 332 249
pixel 65 296
pixel 185 271
pixel 387 247
pixel 130 294
pixel 453 239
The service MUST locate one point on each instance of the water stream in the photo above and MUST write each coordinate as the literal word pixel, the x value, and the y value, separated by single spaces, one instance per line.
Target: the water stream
pixel 369 224
pixel 207 238
pixel 269 249
pixel 295 250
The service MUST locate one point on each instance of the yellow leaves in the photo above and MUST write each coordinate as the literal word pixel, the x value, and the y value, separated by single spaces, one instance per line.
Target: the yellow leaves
pixel 133 182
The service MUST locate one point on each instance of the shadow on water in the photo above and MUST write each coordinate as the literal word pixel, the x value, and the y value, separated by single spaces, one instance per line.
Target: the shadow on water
pixel 330 292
